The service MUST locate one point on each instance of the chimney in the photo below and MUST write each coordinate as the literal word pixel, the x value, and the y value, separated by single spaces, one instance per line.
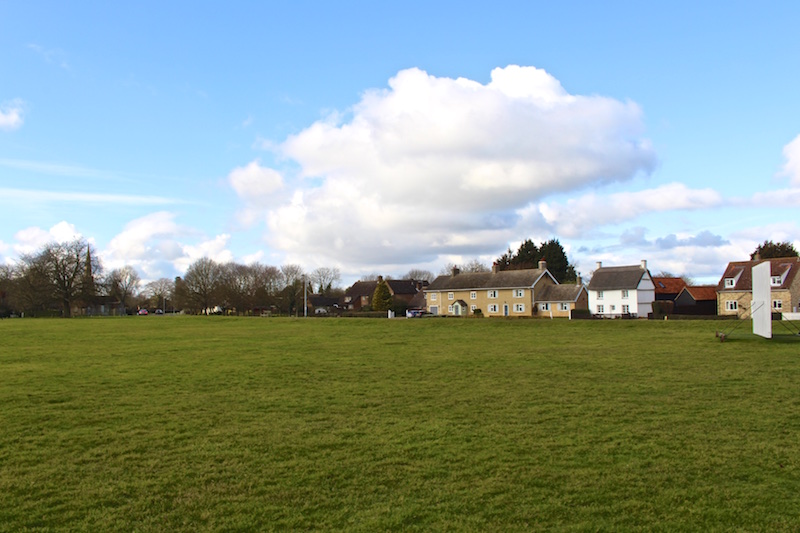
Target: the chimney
pixel 380 278
pixel 456 271
pixel 578 281
pixel 542 265
pixel 644 264
pixel 494 267
pixel 599 265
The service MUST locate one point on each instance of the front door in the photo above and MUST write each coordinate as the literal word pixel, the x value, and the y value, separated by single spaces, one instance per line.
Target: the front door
pixel 505 309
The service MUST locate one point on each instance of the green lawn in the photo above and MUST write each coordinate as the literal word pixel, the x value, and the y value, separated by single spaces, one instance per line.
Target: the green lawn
pixel 251 424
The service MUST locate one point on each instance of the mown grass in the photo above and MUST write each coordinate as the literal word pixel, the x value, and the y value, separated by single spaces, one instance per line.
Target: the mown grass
pixel 249 424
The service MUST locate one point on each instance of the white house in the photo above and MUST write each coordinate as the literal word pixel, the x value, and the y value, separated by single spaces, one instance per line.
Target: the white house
pixel 621 291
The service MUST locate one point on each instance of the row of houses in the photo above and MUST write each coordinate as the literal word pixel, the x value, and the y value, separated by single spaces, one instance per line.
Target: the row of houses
pixel 613 291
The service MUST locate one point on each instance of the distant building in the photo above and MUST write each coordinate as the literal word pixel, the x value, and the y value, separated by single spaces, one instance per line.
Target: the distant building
pixel 735 288
pixel 621 291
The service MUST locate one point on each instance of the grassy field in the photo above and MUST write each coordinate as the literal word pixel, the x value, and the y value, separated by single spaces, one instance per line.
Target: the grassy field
pixel 252 424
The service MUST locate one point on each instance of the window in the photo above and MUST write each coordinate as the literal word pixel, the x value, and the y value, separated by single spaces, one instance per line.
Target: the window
pixel 729 282
pixel 775 281
pixel 519 293
pixel 519 308
pixel 492 294
pixel 450 296
pixel 613 308
pixel 450 308
pixel 473 308
pixel 626 310
pixel 624 293
pixel 777 305
pixel 563 307
pixel 599 295
pixel 731 305
pixel 473 295
pixel 434 309
pixel 492 308
pixel 433 296
pixel 600 309
pixel 544 306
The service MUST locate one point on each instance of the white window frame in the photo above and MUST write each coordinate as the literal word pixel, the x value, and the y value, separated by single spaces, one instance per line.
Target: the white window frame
pixel 473 295
pixel 730 283
pixel 599 295
pixel 492 293
pixel 519 293
pixel 519 308
pixel 473 307
pixel 777 305
pixel 433 296
pixel 775 281
pixel 626 309
pixel 731 305
pixel 563 307
pixel 544 306
pixel 451 296
pixel 612 308
pixel 624 294
pixel 492 308
pixel 450 309
pixel 600 309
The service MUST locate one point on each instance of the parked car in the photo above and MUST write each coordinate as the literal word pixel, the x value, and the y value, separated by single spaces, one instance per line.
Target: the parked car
pixel 143 311
pixel 159 312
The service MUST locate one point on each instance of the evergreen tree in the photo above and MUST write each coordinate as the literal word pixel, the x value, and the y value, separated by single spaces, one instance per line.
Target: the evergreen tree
pixel 381 297
pixel 772 250
pixel 528 256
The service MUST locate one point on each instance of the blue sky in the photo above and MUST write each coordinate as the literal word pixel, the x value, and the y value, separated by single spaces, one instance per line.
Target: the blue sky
pixel 381 138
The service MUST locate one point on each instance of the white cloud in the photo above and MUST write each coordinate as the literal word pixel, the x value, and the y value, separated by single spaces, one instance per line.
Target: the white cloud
pixel 257 187
pixel 11 114
pixel 580 215
pixel 791 168
pixel 435 166
pixel 39 196
pixel 30 240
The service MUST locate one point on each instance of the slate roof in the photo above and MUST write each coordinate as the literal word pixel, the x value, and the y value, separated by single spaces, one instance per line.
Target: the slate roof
pixel 614 278
pixel 668 285
pixel 367 288
pixel 505 279
pixel 559 293
pixel 778 267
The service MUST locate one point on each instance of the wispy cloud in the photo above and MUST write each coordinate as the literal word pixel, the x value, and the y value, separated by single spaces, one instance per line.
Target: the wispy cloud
pixel 11 114
pixel 54 56
pixel 37 196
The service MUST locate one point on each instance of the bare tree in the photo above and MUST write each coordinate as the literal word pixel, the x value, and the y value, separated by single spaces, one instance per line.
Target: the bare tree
pixel 122 283
pixel 202 283
pixel 474 265
pixel 159 291
pixel 323 278
pixel 418 274
pixel 62 273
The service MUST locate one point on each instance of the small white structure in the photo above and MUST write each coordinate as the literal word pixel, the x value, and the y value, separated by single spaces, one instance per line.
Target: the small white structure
pixel 761 310
pixel 622 291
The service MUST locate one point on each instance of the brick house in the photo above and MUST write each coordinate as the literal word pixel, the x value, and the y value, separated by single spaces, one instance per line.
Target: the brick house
pixel 495 293
pixel 735 288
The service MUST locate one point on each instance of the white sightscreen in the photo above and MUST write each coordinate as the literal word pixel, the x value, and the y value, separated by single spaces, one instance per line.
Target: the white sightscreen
pixel 761 306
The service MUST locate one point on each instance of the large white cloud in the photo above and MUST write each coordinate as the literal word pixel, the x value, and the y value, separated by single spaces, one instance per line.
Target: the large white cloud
pixel 157 246
pixel 436 166
pixel 11 114
pixel 30 240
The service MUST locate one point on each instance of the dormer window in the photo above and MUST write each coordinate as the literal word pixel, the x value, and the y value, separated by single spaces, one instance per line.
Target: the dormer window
pixel 729 283
pixel 775 281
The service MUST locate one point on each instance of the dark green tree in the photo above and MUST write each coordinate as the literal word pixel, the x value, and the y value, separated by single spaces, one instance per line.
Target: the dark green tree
pixel 381 297
pixel 528 256
pixel 772 250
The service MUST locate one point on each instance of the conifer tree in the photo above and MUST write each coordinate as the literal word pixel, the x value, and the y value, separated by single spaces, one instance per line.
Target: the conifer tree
pixel 381 297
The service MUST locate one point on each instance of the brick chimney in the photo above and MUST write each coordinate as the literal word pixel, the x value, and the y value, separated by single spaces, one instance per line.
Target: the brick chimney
pixel 542 265
pixel 456 271
pixel 494 267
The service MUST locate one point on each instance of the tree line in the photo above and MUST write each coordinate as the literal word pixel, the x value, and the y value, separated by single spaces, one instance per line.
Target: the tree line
pixel 67 279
